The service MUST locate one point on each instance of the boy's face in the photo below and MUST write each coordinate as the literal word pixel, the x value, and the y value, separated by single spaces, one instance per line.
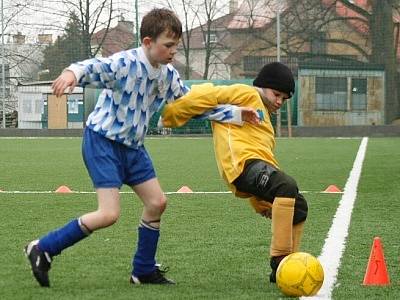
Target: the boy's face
pixel 161 50
pixel 273 99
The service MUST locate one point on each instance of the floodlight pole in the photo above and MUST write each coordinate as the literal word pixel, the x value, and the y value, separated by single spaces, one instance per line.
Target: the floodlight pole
pixel 137 23
pixel 278 34
pixel 3 81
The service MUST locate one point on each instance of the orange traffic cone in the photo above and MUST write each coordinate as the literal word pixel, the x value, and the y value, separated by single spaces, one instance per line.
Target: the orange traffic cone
pixel 63 189
pixel 332 189
pixel 184 189
pixel 376 273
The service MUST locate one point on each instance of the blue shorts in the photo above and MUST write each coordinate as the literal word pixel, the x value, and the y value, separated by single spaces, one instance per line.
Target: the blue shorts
pixel 111 164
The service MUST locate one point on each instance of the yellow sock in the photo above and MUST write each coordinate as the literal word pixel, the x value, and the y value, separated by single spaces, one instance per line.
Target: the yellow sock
pixel 297 232
pixel 282 225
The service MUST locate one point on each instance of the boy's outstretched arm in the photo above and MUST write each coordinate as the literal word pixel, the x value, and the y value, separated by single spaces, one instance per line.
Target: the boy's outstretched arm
pixel 104 72
pixel 202 103
pixel 66 80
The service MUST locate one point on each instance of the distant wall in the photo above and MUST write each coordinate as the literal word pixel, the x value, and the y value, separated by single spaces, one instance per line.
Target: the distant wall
pixel 335 97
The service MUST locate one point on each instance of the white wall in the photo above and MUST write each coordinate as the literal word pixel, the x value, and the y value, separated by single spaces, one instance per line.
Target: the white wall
pixel 31 100
pixel 30 109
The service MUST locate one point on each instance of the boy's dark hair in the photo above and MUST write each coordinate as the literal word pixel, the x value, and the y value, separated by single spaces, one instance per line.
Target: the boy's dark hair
pixel 159 20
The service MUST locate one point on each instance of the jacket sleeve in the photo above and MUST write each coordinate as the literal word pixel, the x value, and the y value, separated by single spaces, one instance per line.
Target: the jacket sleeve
pixel 204 101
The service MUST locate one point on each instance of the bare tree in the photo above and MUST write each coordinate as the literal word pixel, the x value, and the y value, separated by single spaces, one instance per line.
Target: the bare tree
pixel 210 12
pixel 184 8
pixel 94 15
pixel 366 33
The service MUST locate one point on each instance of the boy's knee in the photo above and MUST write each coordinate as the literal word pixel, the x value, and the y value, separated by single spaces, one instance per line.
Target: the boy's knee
pixel 158 204
pixel 285 185
pixel 300 209
pixel 109 217
pixel 162 205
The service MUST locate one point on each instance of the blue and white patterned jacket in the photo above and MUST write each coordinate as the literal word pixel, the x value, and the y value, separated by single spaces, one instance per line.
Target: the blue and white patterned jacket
pixel 133 90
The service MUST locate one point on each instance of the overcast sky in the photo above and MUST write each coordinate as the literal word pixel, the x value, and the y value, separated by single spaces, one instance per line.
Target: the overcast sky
pixel 32 17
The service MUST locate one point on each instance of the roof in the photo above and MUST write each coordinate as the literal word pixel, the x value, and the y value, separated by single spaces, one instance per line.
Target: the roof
pixel 262 14
pixel 43 87
pixel 346 12
pixel 29 83
pixel 256 14
pixel 352 15
pixel 118 38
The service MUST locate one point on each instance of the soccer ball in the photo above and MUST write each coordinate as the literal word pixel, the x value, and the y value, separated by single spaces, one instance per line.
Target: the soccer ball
pixel 299 274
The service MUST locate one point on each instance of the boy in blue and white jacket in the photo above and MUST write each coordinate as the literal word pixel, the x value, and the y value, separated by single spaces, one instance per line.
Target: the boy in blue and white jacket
pixel 135 83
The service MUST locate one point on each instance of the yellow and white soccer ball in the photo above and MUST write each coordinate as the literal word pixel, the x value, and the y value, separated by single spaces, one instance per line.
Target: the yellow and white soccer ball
pixel 299 274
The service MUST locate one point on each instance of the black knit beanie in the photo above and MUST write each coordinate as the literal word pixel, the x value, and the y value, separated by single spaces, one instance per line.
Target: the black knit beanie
pixel 276 76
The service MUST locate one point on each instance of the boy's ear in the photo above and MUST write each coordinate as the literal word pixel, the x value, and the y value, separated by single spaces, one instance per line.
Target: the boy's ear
pixel 147 41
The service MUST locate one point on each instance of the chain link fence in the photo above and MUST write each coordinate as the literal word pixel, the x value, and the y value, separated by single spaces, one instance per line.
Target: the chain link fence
pixel 344 54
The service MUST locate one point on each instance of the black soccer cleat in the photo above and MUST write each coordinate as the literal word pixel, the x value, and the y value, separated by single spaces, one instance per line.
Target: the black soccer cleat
pixel 40 262
pixel 157 277
pixel 274 263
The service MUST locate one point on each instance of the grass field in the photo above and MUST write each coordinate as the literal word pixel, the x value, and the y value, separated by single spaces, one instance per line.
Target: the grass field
pixel 214 245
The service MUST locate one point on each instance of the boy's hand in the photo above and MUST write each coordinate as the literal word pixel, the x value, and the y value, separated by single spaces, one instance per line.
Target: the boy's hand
pixel 250 115
pixel 65 80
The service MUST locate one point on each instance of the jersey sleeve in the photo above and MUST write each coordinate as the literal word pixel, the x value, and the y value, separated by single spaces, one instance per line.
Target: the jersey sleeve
pixel 105 72
pixel 176 87
pixel 223 113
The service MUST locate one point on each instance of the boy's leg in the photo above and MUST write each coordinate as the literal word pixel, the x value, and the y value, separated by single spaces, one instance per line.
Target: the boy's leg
pixel 40 252
pixel 144 262
pixel 288 206
pixel 300 215
pixel 282 222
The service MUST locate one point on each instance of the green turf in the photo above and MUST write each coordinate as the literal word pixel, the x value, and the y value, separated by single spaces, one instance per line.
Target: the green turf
pixel 214 244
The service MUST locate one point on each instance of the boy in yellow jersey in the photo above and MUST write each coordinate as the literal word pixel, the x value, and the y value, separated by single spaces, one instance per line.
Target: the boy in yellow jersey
pixel 245 153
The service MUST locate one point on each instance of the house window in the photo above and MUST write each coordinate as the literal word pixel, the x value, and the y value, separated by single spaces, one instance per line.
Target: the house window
pixel 212 37
pixel 7 91
pixel 27 106
pixel 73 104
pixel 6 72
pixel 331 93
pixel 7 88
pixel 93 49
pixel 359 94
pixel 39 109
pixel 341 94
pixel 318 43
pixel 254 63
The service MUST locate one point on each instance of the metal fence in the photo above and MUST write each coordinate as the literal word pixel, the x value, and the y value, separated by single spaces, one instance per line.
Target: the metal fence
pixel 344 54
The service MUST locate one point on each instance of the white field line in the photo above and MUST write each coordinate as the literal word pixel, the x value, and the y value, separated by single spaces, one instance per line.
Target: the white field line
pixel 93 192
pixel 335 242
pixel 129 192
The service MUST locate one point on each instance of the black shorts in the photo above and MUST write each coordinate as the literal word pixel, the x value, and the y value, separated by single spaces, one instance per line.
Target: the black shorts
pixel 264 181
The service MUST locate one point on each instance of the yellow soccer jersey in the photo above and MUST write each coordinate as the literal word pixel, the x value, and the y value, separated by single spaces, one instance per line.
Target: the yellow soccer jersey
pixel 233 144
